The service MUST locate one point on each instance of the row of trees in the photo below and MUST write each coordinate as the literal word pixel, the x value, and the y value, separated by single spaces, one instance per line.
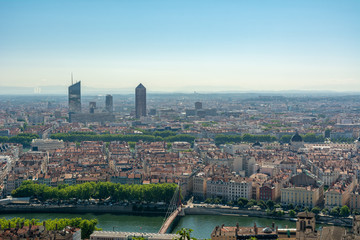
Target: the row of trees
pixel 309 137
pixel 101 190
pixel 87 226
pixel 271 206
pixel 22 138
pixel 163 134
pixel 245 203
pixel 77 137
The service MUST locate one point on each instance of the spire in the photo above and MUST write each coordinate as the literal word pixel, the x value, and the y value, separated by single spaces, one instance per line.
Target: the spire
pixel 72 79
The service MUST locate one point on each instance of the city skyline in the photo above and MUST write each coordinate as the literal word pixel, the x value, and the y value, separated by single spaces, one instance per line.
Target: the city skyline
pixel 182 46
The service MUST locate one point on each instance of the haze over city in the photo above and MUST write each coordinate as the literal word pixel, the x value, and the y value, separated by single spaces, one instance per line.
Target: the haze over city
pixel 180 120
pixel 181 46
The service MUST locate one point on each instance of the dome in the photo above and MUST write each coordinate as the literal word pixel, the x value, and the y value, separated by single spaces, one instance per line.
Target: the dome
pixel 296 138
pixel 257 144
pixel 267 230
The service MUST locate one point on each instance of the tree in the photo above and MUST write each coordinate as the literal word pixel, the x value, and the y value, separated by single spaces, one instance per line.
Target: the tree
pixel 285 138
pixel 291 206
pixel 316 210
pixel 87 227
pixel 251 203
pixel 344 211
pixel 270 204
pixel 335 211
pixel 242 202
pixel 292 213
pixel 185 234
pixel 262 204
pixel 325 211
pixel 138 238
pixel 327 133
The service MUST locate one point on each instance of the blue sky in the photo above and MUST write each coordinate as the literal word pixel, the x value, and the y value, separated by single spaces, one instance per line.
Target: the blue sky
pixel 182 45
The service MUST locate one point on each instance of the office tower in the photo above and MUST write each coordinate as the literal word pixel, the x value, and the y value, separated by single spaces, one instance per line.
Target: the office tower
pixel 198 105
pixel 92 106
pixel 109 103
pixel 75 98
pixel 140 101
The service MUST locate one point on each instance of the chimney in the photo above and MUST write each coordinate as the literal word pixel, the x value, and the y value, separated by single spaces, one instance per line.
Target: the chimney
pixel 44 224
pixel 277 230
pixel 273 225
pixel 255 228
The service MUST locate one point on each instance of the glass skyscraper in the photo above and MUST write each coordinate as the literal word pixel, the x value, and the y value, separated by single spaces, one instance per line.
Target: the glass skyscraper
pixel 75 98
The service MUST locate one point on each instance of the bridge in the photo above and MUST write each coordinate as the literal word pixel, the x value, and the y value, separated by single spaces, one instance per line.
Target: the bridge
pixel 169 221
pixel 172 212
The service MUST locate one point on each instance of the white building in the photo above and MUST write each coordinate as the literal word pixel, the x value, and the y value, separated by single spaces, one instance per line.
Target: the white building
pixel 46 144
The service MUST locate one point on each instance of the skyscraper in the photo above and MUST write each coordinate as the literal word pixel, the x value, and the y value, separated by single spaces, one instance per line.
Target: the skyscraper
pixel 109 103
pixel 75 98
pixel 140 101
pixel 92 107
pixel 198 105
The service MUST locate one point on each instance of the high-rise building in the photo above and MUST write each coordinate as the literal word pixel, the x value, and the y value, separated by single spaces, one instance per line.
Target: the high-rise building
pixel 198 105
pixel 109 103
pixel 92 107
pixel 140 101
pixel 75 98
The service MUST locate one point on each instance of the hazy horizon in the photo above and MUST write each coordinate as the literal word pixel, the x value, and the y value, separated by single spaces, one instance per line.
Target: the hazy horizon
pixel 182 46
pixel 90 91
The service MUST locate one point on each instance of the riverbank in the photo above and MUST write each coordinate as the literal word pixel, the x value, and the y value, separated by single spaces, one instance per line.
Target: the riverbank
pixel 135 210
pixel 329 220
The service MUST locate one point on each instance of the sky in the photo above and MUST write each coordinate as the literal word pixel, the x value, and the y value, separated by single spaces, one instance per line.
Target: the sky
pixel 182 45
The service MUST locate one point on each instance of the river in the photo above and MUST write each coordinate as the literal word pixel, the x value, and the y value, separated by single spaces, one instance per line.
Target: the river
pixel 201 224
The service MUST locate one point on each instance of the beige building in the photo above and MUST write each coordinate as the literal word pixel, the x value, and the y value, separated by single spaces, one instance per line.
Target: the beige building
pixel 230 190
pixel 339 194
pixel 303 189
pixel 355 199
pixel 199 186
pixel 305 196
pixel 47 144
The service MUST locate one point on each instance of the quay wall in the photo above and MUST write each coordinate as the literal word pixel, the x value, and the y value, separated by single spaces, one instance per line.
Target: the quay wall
pixel 77 209
pixel 337 221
